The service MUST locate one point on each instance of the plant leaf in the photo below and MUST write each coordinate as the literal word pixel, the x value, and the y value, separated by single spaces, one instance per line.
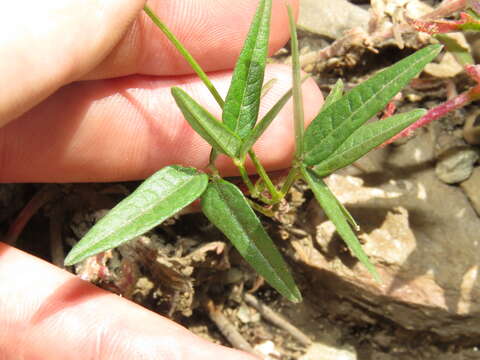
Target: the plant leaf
pixel 156 199
pixel 331 206
pixel 337 122
pixel 267 87
pixel 365 139
pixel 205 124
pixel 226 207
pixel 335 94
pixel 240 111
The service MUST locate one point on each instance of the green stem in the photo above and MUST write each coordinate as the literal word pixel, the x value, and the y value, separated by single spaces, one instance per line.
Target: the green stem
pixel 267 212
pixel 291 177
pixel 246 179
pixel 188 57
pixel 263 174
pixel 214 171
pixel 297 92
pixel 212 158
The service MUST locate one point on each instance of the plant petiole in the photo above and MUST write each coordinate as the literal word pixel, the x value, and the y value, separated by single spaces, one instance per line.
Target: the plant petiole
pixel 261 209
pixel 264 176
pixel 246 179
pixel 297 91
pixel 184 52
pixel 292 176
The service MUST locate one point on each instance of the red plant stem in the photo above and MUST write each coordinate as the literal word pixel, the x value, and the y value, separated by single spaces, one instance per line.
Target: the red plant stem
pixel 437 112
pixel 389 110
pixel 447 7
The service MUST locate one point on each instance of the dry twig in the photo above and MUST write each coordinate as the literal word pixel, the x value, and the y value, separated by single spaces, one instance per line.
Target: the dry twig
pixel 276 319
pixel 228 329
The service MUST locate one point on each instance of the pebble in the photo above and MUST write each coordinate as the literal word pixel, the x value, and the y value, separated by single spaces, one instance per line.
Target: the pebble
pixel 247 315
pixel 318 351
pixel 457 166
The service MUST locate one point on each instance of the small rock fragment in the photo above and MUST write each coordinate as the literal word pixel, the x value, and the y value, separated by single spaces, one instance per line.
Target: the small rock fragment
pixel 268 350
pixel 246 314
pixel 319 351
pixel 457 166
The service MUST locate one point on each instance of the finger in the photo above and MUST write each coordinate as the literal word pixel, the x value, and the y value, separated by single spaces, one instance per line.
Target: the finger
pixel 47 313
pixel 212 30
pixel 128 128
pixel 46 44
pixel 54 43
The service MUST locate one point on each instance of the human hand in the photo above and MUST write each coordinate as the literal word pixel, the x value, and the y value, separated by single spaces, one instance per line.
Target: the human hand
pixel 121 124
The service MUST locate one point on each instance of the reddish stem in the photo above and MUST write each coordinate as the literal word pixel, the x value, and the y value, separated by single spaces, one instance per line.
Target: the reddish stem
pixel 43 196
pixel 437 112
pixel 446 8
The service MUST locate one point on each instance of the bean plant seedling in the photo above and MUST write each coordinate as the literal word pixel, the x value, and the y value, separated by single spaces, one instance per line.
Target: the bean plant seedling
pixel 336 137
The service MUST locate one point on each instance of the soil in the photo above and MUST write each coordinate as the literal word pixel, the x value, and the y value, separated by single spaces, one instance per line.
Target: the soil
pixel 186 270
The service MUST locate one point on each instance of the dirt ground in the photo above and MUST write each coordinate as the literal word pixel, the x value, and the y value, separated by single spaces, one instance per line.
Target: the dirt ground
pixel 187 271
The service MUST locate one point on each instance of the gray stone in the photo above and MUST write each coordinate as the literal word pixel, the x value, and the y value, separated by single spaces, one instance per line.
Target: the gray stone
pixel 472 189
pixel 422 235
pixel 331 18
pixel 456 165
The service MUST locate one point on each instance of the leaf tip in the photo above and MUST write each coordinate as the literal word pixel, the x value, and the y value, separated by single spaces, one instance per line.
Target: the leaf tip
pixel 175 90
pixel 295 296
pixel 72 258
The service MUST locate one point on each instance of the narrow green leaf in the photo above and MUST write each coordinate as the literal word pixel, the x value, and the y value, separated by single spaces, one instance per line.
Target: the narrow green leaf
pixel 365 139
pixel 242 103
pixel 330 205
pixel 267 87
pixel 185 53
pixel 205 124
pixel 335 94
pixel 337 122
pixel 226 207
pixel 157 198
pixel 265 122
pixel 298 113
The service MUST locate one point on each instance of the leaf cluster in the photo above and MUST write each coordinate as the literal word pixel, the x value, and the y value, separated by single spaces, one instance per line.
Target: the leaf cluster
pixel 336 137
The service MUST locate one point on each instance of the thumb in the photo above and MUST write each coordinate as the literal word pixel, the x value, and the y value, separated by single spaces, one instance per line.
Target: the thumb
pixel 47 44
pixel 47 313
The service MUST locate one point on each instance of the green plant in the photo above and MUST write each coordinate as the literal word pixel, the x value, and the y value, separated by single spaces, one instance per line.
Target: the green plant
pixel 333 140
